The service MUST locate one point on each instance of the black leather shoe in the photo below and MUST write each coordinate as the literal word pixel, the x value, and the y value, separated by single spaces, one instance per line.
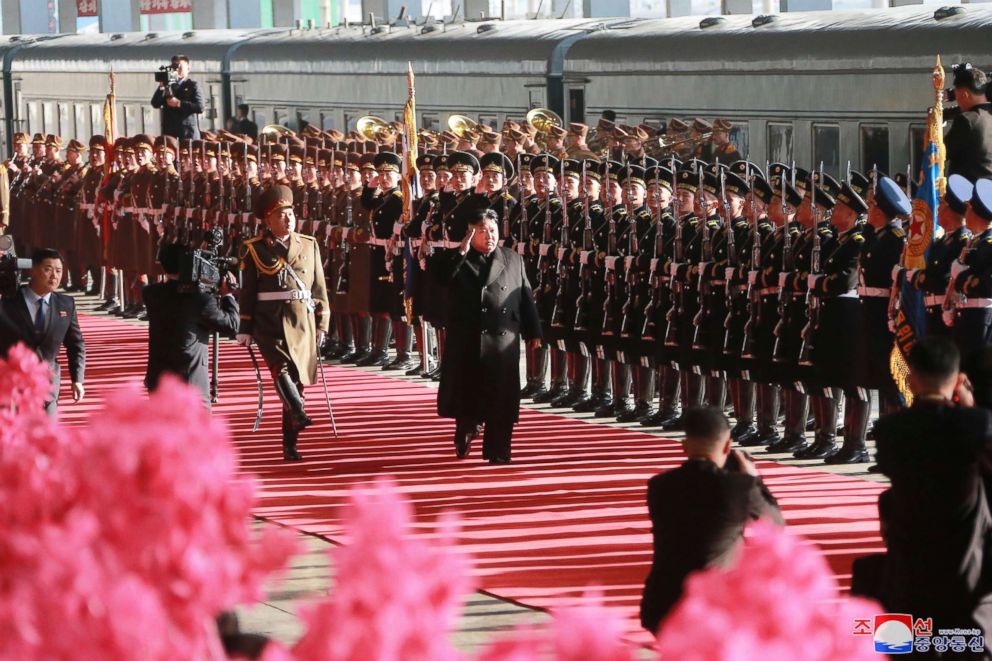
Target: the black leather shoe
pixel 821 448
pixel 359 354
pixel 589 404
pixel 405 363
pixel 134 312
pixel 790 443
pixel 660 418
pixel 463 444
pixel 847 455
pixel 675 424
pixel 568 399
pixel 874 469
pixel 107 305
pixel 623 408
pixel 547 396
pixel 528 390
pixel 606 410
pixel 499 461
pixel 374 359
pixel 417 370
pixel 291 454
pixel 641 411
pixel 766 437
pixel 810 423
pixel 742 428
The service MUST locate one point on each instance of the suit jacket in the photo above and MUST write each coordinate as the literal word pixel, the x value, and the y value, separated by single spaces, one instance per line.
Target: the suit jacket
pixel 969 143
pixel 181 122
pixel 179 328
pixel 698 513
pixel 935 517
pixel 490 306
pixel 61 330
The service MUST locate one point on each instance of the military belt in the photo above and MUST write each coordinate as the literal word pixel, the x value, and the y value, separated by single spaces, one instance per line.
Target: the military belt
pixel 850 293
pixel 769 291
pixel 976 303
pixel 931 300
pixel 874 292
pixel 378 242
pixel 293 295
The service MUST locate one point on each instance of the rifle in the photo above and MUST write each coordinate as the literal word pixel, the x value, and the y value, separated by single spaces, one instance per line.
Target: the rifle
pixel 341 286
pixel 706 256
pixel 678 301
pixel 812 302
pixel 586 269
pixel 558 308
pixel 650 330
pixel 630 272
pixel 545 246
pixel 731 267
pixel 753 300
pixel 786 270
pixel 611 250
pixel 524 240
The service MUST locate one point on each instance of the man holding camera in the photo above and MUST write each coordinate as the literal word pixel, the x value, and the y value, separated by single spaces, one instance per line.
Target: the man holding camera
pixel 180 99
pixel 180 323
pixel 284 307
pixel 969 140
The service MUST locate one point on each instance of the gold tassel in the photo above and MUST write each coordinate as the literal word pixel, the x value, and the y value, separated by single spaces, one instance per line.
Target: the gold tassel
pixel 900 374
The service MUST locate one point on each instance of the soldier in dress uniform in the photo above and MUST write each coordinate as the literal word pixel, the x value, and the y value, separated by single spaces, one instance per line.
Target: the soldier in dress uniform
pixel 723 148
pixel 575 143
pixel 89 248
pixel 165 189
pixel 416 250
pixel 65 208
pixel 142 235
pixel 700 142
pixel 555 142
pixel 284 307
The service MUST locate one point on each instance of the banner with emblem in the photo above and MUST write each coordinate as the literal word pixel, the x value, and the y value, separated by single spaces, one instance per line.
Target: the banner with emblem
pixel 408 180
pixel 86 8
pixel 109 132
pixel 909 318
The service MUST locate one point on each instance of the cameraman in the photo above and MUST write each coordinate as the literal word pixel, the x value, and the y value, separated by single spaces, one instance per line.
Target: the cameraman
pixel 969 140
pixel 180 102
pixel 180 324
pixel 698 511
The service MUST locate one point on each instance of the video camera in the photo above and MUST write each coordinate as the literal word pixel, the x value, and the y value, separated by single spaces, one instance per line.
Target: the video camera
pixel 10 267
pixel 204 268
pixel 168 74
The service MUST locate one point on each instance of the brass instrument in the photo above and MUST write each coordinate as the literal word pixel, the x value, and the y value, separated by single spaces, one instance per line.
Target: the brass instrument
pixel 666 148
pixel 273 132
pixel 372 128
pixel 461 124
pixel 543 119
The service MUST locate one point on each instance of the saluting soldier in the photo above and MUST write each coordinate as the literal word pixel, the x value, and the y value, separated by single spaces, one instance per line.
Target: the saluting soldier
pixel 166 187
pixel 65 208
pixel 89 248
pixel 416 248
pixel 284 307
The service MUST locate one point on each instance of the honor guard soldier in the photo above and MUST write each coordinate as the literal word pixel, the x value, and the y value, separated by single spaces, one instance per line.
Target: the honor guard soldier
pixel 165 189
pixel 723 148
pixel 933 279
pixel 575 143
pixel 284 307
pixel 89 242
pixel 969 295
pixel 65 209
pixel 416 250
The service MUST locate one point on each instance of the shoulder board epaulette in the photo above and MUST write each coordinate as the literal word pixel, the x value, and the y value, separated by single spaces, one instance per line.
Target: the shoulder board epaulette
pixel 595 207
pixel 307 237
pixel 825 231
pixel 857 237
pixel 646 215
pixel 794 231
pixel 398 193
pixel 899 232
pixel 254 239
pixel 507 196
pixel 555 201
pixel 988 240
pixel 711 222
pixel 963 237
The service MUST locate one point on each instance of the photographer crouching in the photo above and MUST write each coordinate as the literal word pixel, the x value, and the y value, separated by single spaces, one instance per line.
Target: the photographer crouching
pixel 181 319
pixel 284 307
pixel 180 99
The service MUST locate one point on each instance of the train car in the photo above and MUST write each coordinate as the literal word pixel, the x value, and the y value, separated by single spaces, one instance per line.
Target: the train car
pixel 330 78
pixel 835 87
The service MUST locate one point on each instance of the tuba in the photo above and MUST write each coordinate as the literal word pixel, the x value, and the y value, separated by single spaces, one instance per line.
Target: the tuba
pixel 274 132
pixel 372 128
pixel 543 119
pixel 461 124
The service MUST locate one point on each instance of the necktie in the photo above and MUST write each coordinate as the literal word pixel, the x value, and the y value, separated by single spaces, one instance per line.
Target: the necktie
pixel 39 320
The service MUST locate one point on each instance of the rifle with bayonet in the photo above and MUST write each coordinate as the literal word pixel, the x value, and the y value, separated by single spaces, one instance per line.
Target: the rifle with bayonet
pixel 609 319
pixel 787 266
pixel 753 297
pixel 678 255
pixel 651 329
pixel 812 302
pixel 585 283
pixel 706 256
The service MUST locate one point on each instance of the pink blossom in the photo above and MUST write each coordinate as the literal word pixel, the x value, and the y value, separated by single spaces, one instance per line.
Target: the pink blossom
pixel 779 601
pixel 588 631
pixel 25 380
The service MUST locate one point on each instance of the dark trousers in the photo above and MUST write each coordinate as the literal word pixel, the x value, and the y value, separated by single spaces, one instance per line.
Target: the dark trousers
pixel 495 439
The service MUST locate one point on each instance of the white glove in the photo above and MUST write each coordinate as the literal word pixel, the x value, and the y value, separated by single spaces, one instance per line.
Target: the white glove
pixel 752 278
pixel 956 268
pixel 320 338
pixel 783 277
pixel 243 339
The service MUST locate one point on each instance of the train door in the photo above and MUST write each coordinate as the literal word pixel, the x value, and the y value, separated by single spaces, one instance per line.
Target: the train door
pixel 66 127
pixel 328 119
pixel 82 121
pixel 826 148
pixel 779 142
pixel 874 146
pixel 575 108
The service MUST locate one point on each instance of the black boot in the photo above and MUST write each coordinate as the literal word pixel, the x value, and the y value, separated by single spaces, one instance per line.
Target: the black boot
pixel 612 374
pixel 767 413
pixel 644 395
pixel 794 431
pixel 855 428
pixel 742 395
pixel 540 369
pixel 559 379
pixel 825 441
pixel 380 345
pixel 692 397
pixel 363 340
pixel 289 436
pixel 292 401
pixel 668 397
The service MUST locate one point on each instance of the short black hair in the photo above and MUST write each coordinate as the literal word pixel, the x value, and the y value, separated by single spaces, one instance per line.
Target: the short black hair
pixel 180 58
pixel 970 78
pixel 41 254
pixel 170 256
pixel 706 424
pixel 243 107
pixel 481 215
pixel 934 359
pixel 610 115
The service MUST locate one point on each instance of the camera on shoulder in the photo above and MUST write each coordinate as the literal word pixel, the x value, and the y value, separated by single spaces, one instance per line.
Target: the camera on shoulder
pixel 203 269
pixel 168 74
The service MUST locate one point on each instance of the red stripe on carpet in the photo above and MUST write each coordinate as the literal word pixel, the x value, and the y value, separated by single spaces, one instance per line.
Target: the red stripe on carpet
pixel 568 513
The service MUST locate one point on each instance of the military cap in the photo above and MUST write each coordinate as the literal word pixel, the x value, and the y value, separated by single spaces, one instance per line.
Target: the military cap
pixel 676 125
pixel 490 138
pixel 38 139
pixel 637 133
pixel 21 138
pixel 296 153
pixel 275 197
pixel 311 156
pixel 509 124
pixel 496 162
pixel 557 131
pixel 829 185
pixel 901 178
pixel 441 162
pixel 334 134
pixel 543 163
pixel 958 193
pixel 611 169
pixel 632 174
pixel 211 148
pixel 277 152
pixel 167 143
pixel 98 142
pixel 650 130
pixel 426 161
pixel 605 126
pixel 572 167
pixel 448 136
pixel 143 141
pixel 314 140
pixel 761 189
pixel 387 160
pixel 802 178
pixel 735 185
pixel 824 197
pixel 659 175
pixel 252 153
pixel 593 169
pixel 123 144
pixel 208 135
pixel 892 200
pixel 745 168
pixel 324 158
pixel 646 162
pixel 851 198
pixel 701 125
pixel 792 196
pixel 693 165
pixel 711 184
pixel 54 140
pixel 76 146
pixel 688 180
pixel 367 161
pixel 722 125
pixel 775 173
pixel 859 183
pixel 581 130
pixel 716 167
pixel 981 199
pixel 515 134
pixel 462 161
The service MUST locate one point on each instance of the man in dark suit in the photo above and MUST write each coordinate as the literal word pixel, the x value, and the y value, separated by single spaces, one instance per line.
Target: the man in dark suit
pixel 46 321
pixel 243 123
pixel 699 510
pixel 180 324
pixel 490 307
pixel 180 103
pixel 935 517
pixel 969 140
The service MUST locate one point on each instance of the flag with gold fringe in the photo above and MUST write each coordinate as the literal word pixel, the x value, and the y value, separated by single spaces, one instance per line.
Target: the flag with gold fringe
pixel 408 180
pixel 110 133
pixel 910 313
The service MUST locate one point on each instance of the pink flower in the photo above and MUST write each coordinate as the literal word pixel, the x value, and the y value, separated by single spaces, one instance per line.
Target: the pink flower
pixel 588 631
pixel 779 601
pixel 25 380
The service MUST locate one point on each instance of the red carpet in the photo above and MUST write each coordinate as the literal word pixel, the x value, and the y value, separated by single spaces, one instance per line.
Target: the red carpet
pixel 569 512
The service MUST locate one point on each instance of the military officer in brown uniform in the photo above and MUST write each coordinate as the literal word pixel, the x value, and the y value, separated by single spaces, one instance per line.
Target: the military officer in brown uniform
pixel 284 307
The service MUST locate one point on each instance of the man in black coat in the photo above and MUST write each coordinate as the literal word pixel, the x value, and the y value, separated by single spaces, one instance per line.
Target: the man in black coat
pixel 180 324
pixel 935 517
pixel 46 321
pixel 699 510
pixel 180 103
pixel 490 307
pixel 969 140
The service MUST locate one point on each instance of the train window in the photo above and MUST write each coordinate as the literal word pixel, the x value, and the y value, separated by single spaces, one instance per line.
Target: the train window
pixel 779 142
pixel 34 118
pixel 150 121
pixel 281 116
pixel 132 120
pixel 327 120
pixel 917 134
pixel 96 119
pixel 48 118
pixel 577 105
pixel 302 119
pixel 429 120
pixel 826 148
pixel 66 129
pixel 83 131
pixel 875 147
pixel 260 118
pixel 492 121
pixel 349 121
pixel 739 137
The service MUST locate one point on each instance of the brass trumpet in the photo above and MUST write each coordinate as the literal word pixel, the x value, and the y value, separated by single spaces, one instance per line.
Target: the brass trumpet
pixel 694 141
